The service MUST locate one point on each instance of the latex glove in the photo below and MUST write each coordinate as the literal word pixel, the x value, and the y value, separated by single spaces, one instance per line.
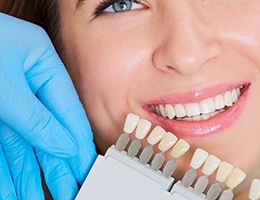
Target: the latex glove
pixel 38 102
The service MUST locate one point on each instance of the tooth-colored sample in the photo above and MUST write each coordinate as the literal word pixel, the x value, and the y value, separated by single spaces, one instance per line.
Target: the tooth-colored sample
pixel 170 111
pixel 224 171
pixel 207 106
pixel 180 148
pixel 235 178
pixel 228 99
pixel 198 158
pixel 192 109
pixel 210 165
pixel 254 193
pixel 131 123
pixel 156 135
pixel 168 140
pixel 162 110
pixel 219 102
pixel 179 110
pixel 142 128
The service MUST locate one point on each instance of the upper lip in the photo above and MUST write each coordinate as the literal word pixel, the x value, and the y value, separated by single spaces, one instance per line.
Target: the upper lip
pixel 193 96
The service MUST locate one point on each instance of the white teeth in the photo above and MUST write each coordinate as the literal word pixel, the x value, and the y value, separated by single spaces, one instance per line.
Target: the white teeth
pixel 196 118
pixel 239 91
pixel 205 116
pixel 254 193
pixel 207 106
pixel 192 109
pixel 162 110
pixel 203 110
pixel 227 99
pixel 234 96
pixel 219 102
pixel 170 111
pixel 180 110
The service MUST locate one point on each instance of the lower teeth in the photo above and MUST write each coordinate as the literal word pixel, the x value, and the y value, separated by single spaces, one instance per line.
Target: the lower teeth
pixel 201 117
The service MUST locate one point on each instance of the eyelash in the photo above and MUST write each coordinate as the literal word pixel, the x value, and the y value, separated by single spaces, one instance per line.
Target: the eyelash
pixel 104 4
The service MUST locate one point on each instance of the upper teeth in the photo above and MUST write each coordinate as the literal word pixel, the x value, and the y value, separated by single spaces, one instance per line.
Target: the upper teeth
pixel 202 110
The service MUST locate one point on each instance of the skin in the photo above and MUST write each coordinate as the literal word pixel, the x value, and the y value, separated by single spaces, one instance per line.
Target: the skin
pixel 121 61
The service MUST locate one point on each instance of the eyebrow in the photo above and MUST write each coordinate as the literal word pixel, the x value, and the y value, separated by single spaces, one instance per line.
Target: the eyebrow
pixel 79 3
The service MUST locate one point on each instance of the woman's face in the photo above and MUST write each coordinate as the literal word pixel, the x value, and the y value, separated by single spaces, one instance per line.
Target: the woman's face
pixel 169 52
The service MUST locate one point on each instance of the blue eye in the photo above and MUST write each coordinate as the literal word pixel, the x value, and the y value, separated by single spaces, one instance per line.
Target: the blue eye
pixel 122 6
pixel 117 6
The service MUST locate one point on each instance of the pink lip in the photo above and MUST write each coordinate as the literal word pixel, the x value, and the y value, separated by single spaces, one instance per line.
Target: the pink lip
pixel 184 129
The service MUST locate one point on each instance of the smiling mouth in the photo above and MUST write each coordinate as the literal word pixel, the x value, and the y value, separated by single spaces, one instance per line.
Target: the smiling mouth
pixel 200 111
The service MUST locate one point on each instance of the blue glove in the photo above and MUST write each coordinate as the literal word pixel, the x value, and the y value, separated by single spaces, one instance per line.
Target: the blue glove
pixel 41 119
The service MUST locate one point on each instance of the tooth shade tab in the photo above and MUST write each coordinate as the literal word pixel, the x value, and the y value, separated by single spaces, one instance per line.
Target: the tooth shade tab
pixel 131 123
pixel 156 135
pixel 254 193
pixel 210 165
pixel 168 140
pixel 235 178
pixel 143 128
pixel 198 158
pixel 223 171
pixel 180 148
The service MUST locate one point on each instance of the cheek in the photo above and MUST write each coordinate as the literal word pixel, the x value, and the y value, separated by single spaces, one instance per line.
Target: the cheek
pixel 242 37
pixel 107 72
pixel 110 66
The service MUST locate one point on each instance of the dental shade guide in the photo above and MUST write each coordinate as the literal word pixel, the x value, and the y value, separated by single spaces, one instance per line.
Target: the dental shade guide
pixel 142 130
pixel 198 158
pixel 209 167
pixel 122 174
pixel 254 193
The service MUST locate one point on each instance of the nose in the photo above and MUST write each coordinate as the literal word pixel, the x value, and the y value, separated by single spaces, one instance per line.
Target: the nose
pixel 187 43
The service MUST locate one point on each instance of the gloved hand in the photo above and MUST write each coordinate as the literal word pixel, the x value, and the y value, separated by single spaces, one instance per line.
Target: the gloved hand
pixel 41 118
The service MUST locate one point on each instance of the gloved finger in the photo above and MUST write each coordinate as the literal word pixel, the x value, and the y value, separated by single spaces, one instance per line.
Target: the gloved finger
pixel 22 111
pixel 7 190
pixel 58 177
pixel 22 163
pixel 59 96
pixel 83 161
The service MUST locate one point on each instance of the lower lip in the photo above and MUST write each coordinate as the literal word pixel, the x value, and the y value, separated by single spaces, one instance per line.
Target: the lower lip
pixel 191 130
